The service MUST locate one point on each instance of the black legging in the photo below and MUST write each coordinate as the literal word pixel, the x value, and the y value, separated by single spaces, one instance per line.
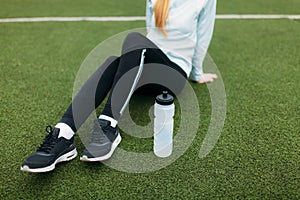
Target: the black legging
pixel 117 74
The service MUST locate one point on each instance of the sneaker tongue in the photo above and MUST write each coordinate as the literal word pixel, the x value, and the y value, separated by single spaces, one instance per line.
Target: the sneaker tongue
pixel 104 123
pixel 55 132
pixel 48 140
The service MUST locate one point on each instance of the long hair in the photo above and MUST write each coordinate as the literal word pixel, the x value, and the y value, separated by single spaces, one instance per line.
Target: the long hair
pixel 161 10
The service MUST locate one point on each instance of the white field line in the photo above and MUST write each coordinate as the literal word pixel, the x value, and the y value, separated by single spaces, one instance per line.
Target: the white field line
pixel 136 18
pixel 71 19
pixel 258 17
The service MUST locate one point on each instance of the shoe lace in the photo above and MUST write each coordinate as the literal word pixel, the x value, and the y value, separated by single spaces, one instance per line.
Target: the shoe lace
pixel 98 133
pixel 49 141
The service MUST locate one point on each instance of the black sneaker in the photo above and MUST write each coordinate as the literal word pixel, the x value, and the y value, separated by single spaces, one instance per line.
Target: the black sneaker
pixel 103 142
pixel 52 151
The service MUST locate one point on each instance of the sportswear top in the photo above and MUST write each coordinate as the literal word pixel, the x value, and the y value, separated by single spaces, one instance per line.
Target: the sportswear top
pixel 189 29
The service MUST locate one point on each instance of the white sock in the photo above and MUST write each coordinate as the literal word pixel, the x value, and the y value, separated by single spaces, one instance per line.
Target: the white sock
pixel 113 122
pixel 65 131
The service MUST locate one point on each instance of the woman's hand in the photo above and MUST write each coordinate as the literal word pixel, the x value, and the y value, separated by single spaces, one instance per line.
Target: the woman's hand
pixel 207 78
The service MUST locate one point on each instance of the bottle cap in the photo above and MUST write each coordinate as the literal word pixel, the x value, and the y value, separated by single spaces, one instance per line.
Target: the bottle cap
pixel 164 98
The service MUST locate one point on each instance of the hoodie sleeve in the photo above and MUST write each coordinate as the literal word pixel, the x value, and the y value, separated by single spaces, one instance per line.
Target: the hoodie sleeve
pixel 149 14
pixel 205 27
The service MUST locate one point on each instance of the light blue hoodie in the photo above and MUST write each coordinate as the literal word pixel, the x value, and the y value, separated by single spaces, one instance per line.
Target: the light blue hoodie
pixel 189 30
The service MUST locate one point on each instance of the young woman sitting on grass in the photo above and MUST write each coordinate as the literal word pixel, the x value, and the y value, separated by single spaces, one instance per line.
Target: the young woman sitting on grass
pixel 178 36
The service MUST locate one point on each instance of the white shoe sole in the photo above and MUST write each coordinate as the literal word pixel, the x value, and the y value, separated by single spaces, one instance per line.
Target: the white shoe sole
pixel 105 157
pixel 66 157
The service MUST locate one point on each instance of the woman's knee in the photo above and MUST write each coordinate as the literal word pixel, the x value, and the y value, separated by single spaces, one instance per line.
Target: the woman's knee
pixel 111 59
pixel 133 35
pixel 136 41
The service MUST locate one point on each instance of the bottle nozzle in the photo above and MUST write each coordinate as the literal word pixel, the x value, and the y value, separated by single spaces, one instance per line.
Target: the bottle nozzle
pixel 165 94
pixel 165 98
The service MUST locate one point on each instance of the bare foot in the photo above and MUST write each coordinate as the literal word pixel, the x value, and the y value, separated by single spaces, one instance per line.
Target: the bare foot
pixel 208 78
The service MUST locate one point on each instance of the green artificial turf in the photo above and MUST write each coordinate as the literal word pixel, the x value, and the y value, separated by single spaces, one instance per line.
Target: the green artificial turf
pixel 58 8
pixel 73 8
pixel 256 157
pixel 258 7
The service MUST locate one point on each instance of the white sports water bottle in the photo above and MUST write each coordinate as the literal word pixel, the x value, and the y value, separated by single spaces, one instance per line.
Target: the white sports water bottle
pixel 164 109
